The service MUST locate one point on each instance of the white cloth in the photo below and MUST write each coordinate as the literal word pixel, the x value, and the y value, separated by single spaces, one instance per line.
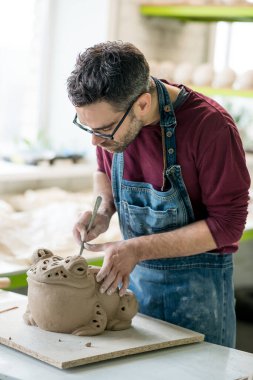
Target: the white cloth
pixel 45 218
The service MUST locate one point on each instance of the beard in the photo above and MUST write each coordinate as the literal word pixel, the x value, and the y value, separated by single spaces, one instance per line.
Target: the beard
pixel 114 146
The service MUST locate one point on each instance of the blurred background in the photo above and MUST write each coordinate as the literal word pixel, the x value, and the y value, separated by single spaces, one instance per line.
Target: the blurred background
pixel 46 164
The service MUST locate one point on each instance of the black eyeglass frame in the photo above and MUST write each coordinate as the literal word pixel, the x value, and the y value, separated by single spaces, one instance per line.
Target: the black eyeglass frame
pixel 104 135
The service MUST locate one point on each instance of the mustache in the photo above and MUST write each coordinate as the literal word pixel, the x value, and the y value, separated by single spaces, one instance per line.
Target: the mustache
pixel 109 144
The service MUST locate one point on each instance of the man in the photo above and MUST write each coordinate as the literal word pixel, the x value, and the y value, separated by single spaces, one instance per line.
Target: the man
pixel 171 163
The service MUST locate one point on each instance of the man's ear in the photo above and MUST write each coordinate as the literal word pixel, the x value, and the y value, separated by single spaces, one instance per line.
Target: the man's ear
pixel 142 105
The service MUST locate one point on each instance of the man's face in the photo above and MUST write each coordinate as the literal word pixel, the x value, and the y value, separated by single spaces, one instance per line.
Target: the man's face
pixel 102 117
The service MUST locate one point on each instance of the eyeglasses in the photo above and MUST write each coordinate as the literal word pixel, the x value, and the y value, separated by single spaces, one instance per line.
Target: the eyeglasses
pixel 103 135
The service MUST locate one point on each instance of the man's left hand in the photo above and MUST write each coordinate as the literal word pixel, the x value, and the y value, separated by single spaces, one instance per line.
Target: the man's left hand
pixel 119 261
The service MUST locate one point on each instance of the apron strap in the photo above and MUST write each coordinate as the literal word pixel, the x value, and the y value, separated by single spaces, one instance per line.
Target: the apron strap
pixel 168 127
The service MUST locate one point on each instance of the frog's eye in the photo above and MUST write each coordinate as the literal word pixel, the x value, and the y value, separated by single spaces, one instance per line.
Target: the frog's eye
pixel 78 269
pixel 76 265
pixel 41 254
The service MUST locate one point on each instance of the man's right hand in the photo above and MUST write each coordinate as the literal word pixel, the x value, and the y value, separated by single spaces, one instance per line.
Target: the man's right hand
pixel 100 225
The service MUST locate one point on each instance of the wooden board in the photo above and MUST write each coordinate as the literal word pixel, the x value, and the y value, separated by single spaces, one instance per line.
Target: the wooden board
pixel 65 350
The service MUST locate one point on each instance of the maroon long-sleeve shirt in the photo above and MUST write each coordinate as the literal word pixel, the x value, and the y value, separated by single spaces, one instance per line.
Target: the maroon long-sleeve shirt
pixel 212 159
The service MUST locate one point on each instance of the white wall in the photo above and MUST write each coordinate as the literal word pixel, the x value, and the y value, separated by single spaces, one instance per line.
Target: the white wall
pixel 77 24
pixel 73 26
pixel 160 38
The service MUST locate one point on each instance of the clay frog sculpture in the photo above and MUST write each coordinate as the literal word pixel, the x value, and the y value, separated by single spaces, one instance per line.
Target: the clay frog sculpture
pixel 63 296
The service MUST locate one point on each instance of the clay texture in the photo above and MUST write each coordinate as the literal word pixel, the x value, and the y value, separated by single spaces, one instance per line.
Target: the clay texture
pixel 63 296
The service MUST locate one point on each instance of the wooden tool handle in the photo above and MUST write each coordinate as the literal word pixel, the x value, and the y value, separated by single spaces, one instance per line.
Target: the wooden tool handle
pixel 4 282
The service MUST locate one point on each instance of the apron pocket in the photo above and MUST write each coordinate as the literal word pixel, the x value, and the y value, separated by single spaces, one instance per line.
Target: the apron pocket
pixel 145 221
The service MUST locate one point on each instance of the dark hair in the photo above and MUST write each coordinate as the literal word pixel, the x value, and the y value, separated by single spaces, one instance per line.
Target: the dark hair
pixel 116 72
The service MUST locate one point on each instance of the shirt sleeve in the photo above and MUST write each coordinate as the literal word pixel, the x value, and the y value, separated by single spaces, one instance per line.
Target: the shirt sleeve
pixel 225 183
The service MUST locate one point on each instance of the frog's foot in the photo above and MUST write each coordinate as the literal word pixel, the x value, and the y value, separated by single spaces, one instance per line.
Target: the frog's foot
pixel 97 324
pixel 116 324
pixel 128 307
pixel 28 318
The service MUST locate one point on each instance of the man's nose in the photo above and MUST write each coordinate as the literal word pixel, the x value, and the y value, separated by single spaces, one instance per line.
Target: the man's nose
pixel 96 140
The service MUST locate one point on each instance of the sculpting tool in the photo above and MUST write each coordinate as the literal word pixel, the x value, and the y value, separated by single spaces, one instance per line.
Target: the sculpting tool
pixel 10 308
pixel 93 216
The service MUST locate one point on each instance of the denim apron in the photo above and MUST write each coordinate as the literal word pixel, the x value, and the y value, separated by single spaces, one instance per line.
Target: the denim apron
pixel 196 291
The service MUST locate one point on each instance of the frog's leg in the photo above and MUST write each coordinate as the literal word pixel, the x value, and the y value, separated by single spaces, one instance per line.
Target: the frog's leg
pixel 96 325
pixel 128 307
pixel 28 317
pixel 117 324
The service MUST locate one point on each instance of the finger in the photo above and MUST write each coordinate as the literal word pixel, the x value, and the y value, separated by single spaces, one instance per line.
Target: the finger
pixel 77 235
pixel 104 271
pixel 97 247
pixel 81 226
pixel 94 233
pixel 107 282
pixel 84 218
pixel 125 284
pixel 114 285
pixel 80 231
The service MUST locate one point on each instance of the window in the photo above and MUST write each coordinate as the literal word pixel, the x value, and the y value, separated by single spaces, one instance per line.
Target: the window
pixel 233 49
pixel 18 72
pixel 39 43
pixel 233 46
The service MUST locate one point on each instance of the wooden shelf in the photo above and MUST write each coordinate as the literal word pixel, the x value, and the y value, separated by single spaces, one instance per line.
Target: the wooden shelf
pixel 211 91
pixel 204 13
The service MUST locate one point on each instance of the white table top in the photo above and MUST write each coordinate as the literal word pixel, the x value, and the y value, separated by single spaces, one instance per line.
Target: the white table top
pixel 191 362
